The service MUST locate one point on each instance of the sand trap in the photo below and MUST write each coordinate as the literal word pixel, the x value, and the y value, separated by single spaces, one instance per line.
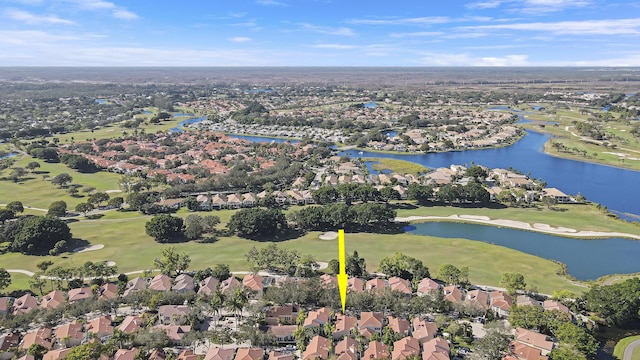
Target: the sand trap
pixel 329 235
pixel 551 228
pixel 113 191
pixel 88 248
pixel 475 217
pixel 110 263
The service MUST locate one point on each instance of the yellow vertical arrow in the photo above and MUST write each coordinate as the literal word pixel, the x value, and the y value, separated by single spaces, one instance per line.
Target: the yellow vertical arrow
pixel 343 278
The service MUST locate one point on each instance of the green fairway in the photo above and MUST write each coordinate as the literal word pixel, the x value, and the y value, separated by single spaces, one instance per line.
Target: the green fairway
pixel 618 352
pixel 396 166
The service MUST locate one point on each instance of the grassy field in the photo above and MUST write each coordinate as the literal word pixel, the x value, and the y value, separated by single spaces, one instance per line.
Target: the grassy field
pixel 126 243
pixel 618 352
pixel 397 166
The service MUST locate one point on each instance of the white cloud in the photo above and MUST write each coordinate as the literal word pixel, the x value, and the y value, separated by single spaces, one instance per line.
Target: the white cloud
pixel 485 4
pixel 584 27
pixel 340 31
pixel 270 3
pixel 33 19
pixel 239 39
pixel 35 37
pixel 416 34
pixel 540 7
pixel 334 46
pixel 429 20
pixel 124 14
pixel 449 59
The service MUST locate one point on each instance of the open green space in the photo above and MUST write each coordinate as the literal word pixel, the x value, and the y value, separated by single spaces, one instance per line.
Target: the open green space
pixel 397 166
pixel 618 352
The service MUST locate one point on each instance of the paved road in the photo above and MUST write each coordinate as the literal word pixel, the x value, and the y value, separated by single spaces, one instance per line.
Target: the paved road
pixel 628 352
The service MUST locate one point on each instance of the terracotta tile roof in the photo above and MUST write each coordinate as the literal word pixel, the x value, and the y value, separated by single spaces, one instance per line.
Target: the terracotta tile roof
pixel 277 355
pixel 370 320
pixel 56 354
pixel 72 331
pixel 426 285
pixel 160 282
pixel 174 332
pixel 253 282
pixel 80 294
pixel 521 351
pixel 124 354
pixel 41 336
pixel 376 350
pixel 108 291
pixel 376 284
pixel 208 286
pixel 436 349
pixel 345 323
pixel 24 304
pixel 52 300
pixel 555 305
pixel 355 284
pixel 399 326
pixel 405 347
pixel 317 318
pixel 479 297
pixel 400 284
pixel 452 294
pixel 347 345
pixel 101 326
pixel 318 347
pixel 130 324
pixel 217 353
pixel 249 354
pixel 183 282
pixel 187 355
pixel 533 339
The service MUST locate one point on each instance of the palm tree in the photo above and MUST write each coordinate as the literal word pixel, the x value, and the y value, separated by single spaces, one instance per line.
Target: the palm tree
pixel 216 304
pixel 236 303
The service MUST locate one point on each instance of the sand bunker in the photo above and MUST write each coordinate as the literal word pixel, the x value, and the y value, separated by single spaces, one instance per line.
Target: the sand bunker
pixel 88 248
pixel 329 235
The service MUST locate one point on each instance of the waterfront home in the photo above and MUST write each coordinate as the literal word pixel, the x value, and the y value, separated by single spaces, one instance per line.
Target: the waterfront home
pixel 501 303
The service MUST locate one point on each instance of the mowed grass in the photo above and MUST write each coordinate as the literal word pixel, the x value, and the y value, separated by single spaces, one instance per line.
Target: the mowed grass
pixel 127 244
pixel 576 216
pixel 618 352
pixel 37 192
pixel 397 166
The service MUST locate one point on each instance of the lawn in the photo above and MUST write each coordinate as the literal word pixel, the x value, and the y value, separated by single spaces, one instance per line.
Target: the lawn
pixel 618 352
pixel 396 166
pixel 127 244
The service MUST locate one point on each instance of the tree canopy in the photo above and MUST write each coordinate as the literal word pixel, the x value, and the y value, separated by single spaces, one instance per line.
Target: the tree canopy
pixel 36 234
pixel 256 223
pixel 403 266
pixel 164 228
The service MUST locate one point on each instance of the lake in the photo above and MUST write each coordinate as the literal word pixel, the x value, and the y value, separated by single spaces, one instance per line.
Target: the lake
pixel 9 155
pixel 194 120
pixel 585 259
pixel 262 139
pixel 613 187
pixel 370 105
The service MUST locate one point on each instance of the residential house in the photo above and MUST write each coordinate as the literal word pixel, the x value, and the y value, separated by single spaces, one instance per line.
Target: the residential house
pixel 399 326
pixel 436 349
pixel 157 354
pixel 277 355
pixel 219 201
pixel 134 285
pixel 208 286
pixel 174 332
pixel 249 200
pixel 405 347
pixel 452 294
pixel 317 318
pixel 160 282
pixel 249 354
pixel 42 336
pixel 376 350
pixel 557 195
pixel 526 300
pixel 171 203
pixel 254 283
pixel 70 334
pixel 328 281
pixel 79 294
pixel 355 284
pixel 347 349
pixel 56 354
pixel 125 354
pixel 183 283
pixel 373 321
pixel 401 285
pixel 423 330
pixel 218 353
pixel 375 285
pixel 187 354
pixel 501 303
pixel 24 304
pixel 283 333
pixel 478 298
pixel 317 348
pixel 52 300
pixel 229 285
pixel 172 314
pixel 108 291
pixel 519 351
pixel 549 305
pixel 534 340
pixel 101 327
pixel 234 201
pixel 344 325
pixel 427 286
pixel 131 324
pixel 204 202
pixel 285 314
pixel 5 305
pixel 402 191
pixel 7 343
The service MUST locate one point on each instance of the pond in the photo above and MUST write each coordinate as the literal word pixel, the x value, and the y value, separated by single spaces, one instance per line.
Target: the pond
pixel 585 259
pixel 178 128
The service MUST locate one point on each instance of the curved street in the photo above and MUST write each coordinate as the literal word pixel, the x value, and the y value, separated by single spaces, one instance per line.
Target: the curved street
pixel 628 352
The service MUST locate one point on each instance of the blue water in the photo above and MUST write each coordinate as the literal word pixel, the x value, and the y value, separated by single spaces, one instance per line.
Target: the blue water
pixel 101 101
pixel 9 155
pixel 146 112
pixel 181 115
pixel 538 107
pixel 369 165
pixel 370 105
pixel 261 139
pixel 606 108
pixel 178 128
pixel 613 187
pixel 585 259
pixel 390 134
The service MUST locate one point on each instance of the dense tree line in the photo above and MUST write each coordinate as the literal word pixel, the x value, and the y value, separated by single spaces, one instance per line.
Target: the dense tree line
pixel 367 216
pixel 35 235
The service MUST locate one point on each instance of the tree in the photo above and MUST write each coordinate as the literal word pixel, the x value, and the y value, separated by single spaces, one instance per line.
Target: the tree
pixel 37 351
pixel 355 266
pixel 273 258
pixel 209 223
pixel 61 179
pixel 38 234
pixel 513 282
pixel 15 206
pixel 476 172
pixel 6 214
pixel 116 202
pixel 494 345
pixel 17 174
pixel 577 337
pixel 98 198
pixel 193 226
pixel 449 274
pixel 221 272
pixel 172 263
pixel 257 222
pixel 32 166
pixel 57 208
pixel 618 303
pixel 403 266
pixel 164 228
pixel 5 278
pixel 84 208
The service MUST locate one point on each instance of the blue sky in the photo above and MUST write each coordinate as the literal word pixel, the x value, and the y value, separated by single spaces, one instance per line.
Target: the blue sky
pixel 319 33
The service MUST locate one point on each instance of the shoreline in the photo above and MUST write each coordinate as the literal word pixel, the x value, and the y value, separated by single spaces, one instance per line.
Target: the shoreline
pixel 521 225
